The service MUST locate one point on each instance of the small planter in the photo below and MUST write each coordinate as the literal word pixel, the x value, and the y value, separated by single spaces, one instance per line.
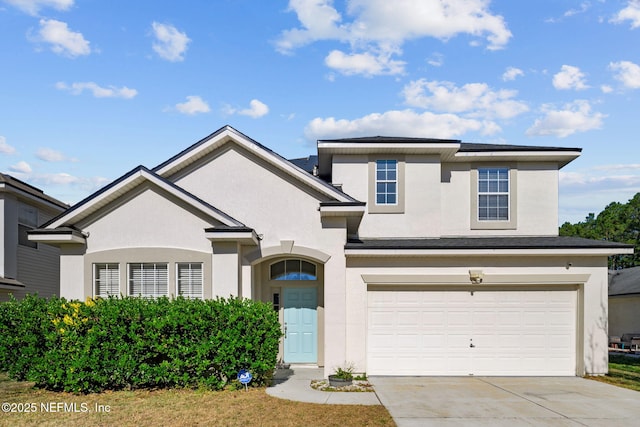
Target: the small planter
pixel 334 381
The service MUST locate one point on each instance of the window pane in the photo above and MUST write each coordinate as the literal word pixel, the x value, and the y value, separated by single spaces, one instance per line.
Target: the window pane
pixel 190 280
pixel 493 203
pixel 106 279
pixel 293 269
pixel 148 279
pixel 308 271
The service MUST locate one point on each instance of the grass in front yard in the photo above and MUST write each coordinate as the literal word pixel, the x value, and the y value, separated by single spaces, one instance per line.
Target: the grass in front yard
pixel 176 407
pixel 624 371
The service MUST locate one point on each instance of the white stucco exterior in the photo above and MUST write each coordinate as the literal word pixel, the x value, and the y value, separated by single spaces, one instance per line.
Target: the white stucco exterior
pixel 236 209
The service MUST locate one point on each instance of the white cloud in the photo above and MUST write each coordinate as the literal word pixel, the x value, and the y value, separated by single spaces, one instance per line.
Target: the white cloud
pixel 51 155
pixel 473 99
pixel 379 27
pixel 436 60
pixel 256 109
pixel 63 41
pixel 4 147
pixel 590 191
pixel 193 105
pixel 511 73
pixel 21 167
pixel 574 117
pixel 626 72
pixel 584 6
pixel 98 91
pixel 629 13
pixel 32 7
pixel 367 64
pixel 170 44
pixel 606 89
pixel 398 122
pixel 569 77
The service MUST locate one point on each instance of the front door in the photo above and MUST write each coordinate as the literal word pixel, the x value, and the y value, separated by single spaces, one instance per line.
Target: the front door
pixel 300 325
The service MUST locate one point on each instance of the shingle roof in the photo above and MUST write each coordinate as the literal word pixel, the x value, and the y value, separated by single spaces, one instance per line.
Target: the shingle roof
pixel 464 146
pixel 30 189
pixel 306 163
pixel 624 282
pixel 447 243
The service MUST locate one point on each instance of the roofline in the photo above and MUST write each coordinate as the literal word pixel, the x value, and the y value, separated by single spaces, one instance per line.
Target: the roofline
pixel 149 175
pixel 30 191
pixel 179 161
pixel 400 252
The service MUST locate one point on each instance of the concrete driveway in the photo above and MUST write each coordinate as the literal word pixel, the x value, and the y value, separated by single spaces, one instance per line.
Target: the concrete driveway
pixel 506 401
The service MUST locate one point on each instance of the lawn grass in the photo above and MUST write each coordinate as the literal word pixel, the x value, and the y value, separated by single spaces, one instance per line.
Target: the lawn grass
pixel 624 371
pixel 178 408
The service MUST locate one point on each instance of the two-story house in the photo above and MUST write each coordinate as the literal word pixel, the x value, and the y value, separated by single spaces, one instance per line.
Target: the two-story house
pixel 403 256
pixel 26 267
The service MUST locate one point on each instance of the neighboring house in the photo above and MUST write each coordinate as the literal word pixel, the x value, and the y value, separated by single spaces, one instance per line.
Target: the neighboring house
pixel 403 256
pixel 26 267
pixel 624 301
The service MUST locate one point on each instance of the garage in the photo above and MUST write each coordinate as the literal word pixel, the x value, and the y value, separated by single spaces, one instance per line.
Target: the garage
pixel 490 332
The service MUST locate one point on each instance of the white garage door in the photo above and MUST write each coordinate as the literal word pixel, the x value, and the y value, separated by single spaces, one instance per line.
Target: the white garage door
pixel 471 333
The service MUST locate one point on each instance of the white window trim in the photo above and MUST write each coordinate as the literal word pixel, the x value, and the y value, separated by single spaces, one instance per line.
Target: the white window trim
pixel 512 222
pixel 372 206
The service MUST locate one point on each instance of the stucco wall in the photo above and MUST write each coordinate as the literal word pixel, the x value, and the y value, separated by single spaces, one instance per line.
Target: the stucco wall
pixel 148 218
pixel 258 195
pixel 437 199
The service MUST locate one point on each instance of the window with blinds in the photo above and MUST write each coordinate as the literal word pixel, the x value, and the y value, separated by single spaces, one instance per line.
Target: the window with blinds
pixel 106 279
pixel 149 279
pixel 189 280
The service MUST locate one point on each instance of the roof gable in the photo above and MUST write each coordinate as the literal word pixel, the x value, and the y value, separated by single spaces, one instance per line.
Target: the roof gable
pixel 127 183
pixel 227 134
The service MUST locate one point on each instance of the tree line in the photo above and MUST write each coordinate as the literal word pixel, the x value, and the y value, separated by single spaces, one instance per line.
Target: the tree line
pixel 618 222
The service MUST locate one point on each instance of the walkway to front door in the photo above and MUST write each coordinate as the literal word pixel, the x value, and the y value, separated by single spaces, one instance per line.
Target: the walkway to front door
pixel 300 325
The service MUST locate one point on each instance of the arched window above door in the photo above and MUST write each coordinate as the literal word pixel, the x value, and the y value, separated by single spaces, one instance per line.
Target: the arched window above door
pixel 293 269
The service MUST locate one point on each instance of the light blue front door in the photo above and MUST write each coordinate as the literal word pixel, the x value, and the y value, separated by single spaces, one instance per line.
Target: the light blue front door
pixel 301 325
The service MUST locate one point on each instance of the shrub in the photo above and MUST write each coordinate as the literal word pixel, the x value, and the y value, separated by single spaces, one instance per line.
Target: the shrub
pixel 127 343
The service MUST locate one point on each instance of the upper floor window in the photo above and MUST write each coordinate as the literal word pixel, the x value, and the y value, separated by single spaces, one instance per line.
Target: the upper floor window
pixel 386 182
pixel 190 280
pixel 293 269
pixel 27 220
pixel 106 279
pixel 148 279
pixel 493 194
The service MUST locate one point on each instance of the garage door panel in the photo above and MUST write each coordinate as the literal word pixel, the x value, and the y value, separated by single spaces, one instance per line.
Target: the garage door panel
pixel 431 332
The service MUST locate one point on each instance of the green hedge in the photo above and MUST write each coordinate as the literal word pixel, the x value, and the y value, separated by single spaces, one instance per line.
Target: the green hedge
pixel 130 343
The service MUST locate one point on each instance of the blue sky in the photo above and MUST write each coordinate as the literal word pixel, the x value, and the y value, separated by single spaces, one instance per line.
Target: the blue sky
pixel 89 90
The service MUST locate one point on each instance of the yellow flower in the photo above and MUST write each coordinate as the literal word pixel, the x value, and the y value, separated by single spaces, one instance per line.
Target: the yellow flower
pixel 67 320
pixel 89 302
pixel 61 330
pixel 55 321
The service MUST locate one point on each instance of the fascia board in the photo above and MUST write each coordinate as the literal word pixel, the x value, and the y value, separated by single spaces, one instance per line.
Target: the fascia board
pixel 128 184
pixel 57 238
pixel 484 252
pixel 463 279
pixel 326 211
